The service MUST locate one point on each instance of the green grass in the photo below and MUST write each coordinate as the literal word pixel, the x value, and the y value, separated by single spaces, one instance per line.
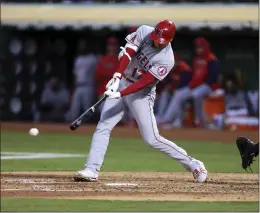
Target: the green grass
pixel 134 153
pixel 26 204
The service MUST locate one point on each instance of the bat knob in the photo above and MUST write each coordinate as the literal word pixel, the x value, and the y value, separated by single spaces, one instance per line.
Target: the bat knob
pixel 75 124
pixel 73 127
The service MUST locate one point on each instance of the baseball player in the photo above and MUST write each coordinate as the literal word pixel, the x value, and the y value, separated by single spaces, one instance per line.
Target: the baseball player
pixel 106 66
pixel 145 60
pixel 84 70
pixel 180 77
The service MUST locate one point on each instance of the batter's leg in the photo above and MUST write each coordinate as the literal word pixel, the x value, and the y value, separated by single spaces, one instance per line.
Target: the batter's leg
pixel 102 105
pixel 112 113
pixel 128 119
pixel 198 95
pixel 142 109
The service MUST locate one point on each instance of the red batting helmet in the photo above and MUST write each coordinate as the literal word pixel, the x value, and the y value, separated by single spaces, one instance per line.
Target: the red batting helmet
pixel 163 32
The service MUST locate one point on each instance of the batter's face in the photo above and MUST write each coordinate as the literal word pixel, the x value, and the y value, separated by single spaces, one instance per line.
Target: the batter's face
pixel 158 45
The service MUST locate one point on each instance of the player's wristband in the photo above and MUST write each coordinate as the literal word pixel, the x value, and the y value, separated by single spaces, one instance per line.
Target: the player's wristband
pixel 126 53
pixel 117 75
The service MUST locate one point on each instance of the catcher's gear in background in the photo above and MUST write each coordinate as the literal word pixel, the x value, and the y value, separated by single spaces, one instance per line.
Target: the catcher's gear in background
pixel 248 150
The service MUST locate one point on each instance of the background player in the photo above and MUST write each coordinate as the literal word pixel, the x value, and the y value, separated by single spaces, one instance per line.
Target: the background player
pixel 205 69
pixel 179 79
pixel 84 67
pixel 106 66
pixel 146 59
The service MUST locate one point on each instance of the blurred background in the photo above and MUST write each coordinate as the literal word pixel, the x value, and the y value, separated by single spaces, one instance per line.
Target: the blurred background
pixel 56 57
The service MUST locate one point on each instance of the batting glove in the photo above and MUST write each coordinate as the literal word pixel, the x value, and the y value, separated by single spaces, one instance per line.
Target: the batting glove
pixel 112 95
pixel 113 84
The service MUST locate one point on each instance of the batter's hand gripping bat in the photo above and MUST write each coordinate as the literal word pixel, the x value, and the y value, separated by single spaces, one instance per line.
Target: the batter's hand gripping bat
pixel 87 114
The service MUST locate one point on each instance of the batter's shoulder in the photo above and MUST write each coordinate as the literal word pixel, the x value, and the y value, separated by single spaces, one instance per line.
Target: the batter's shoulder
pixel 144 30
pixel 165 58
pixel 168 55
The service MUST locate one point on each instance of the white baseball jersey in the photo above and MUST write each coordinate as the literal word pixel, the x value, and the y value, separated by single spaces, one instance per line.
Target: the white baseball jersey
pixel 158 62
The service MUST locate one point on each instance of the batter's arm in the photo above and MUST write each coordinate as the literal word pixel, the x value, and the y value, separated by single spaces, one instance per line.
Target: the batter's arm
pixel 129 53
pixel 134 41
pixel 113 84
pixel 144 81
pixel 155 74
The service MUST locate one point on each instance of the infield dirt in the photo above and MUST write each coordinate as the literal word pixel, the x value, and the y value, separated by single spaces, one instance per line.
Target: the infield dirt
pixel 132 186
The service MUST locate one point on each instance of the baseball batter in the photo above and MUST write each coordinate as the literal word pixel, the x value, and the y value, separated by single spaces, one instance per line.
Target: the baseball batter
pixel 144 61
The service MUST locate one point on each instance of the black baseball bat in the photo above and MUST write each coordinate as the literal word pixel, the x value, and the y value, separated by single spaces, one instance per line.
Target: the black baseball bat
pixel 87 114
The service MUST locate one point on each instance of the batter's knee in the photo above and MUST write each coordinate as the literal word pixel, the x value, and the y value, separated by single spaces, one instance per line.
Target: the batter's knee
pixel 151 140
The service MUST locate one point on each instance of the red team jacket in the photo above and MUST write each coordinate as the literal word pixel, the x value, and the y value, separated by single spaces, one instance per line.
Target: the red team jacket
pixel 180 75
pixel 105 69
pixel 205 66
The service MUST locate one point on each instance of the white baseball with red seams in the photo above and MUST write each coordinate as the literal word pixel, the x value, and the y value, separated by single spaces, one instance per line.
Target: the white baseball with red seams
pixel 147 59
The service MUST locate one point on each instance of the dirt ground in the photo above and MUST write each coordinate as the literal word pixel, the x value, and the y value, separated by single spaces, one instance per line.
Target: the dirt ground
pixel 132 186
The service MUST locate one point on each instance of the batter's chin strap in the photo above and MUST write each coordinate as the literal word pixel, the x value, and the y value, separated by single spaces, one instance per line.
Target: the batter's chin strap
pixel 125 52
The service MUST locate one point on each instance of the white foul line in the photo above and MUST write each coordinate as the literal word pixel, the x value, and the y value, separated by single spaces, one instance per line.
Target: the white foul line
pixel 35 155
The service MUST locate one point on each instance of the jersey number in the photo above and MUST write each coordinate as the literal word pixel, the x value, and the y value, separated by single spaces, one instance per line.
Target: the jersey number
pixel 137 73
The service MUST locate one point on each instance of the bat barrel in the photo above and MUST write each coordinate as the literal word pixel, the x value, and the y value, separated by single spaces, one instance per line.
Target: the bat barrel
pixel 86 115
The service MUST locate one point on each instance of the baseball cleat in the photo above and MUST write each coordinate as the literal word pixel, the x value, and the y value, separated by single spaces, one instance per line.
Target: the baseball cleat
pixel 86 175
pixel 199 172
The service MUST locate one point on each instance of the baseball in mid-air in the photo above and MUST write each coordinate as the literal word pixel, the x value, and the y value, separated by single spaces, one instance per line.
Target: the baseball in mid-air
pixel 33 131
